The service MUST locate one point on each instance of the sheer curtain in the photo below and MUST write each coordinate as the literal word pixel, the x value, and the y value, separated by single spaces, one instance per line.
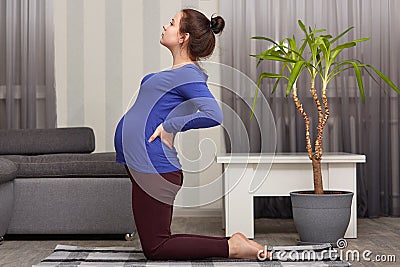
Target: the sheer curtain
pixel 27 89
pixel 371 128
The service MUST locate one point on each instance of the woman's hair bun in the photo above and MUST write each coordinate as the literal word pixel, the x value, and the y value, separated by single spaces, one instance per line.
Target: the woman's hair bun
pixel 217 24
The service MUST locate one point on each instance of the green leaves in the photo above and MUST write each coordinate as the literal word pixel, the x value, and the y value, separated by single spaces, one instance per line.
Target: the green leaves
pixel 341 35
pixel 338 49
pixel 317 53
pixel 275 58
pixel 359 80
pixel 294 75
pixel 270 75
pixel 384 78
pixel 265 39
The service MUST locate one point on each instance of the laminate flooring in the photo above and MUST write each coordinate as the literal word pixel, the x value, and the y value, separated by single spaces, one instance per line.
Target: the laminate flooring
pixel 378 239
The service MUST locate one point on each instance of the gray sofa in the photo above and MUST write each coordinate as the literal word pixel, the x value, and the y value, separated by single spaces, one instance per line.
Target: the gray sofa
pixel 52 183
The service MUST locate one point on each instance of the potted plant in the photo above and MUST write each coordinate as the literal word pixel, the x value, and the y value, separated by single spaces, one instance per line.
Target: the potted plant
pixel 320 216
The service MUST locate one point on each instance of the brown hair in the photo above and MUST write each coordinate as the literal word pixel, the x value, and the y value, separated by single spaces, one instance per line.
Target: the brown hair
pixel 201 32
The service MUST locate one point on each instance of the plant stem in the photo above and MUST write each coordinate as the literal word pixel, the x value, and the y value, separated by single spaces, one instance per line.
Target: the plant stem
pixel 316 164
pixel 317 156
pixel 299 107
pixel 325 102
pixel 320 128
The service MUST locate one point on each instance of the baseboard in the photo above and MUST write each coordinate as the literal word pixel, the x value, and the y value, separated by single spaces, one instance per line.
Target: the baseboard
pixel 197 212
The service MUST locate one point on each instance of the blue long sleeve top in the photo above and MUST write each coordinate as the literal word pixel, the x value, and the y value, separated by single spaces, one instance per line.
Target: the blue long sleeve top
pixel 180 100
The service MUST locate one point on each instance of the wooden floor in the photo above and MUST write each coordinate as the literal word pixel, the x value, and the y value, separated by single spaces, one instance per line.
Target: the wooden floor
pixel 380 236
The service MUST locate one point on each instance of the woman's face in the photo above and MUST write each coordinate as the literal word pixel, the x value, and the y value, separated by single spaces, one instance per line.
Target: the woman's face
pixel 171 36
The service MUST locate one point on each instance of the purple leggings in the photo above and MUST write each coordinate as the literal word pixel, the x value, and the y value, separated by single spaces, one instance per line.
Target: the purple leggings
pixel 153 220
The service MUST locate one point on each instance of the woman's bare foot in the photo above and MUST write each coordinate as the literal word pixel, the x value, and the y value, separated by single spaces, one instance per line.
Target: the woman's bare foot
pixel 253 243
pixel 241 249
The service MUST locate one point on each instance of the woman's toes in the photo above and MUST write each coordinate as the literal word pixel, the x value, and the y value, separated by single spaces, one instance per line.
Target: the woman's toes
pixel 257 245
pixel 240 248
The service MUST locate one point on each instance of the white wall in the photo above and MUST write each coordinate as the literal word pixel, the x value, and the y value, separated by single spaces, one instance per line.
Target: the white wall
pixel 103 49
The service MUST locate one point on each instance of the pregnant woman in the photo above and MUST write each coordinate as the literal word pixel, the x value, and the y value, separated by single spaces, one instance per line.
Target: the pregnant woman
pixel 169 102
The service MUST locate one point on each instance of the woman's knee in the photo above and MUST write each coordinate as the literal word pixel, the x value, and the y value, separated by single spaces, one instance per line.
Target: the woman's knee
pixel 154 253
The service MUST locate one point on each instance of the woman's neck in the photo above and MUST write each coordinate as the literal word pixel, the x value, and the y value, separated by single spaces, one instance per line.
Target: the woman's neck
pixel 180 59
pixel 180 63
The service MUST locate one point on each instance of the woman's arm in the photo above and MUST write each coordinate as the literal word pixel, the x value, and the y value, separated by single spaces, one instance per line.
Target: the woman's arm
pixel 209 113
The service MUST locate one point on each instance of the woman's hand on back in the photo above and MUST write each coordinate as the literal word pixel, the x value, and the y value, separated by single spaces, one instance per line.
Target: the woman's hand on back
pixel 166 137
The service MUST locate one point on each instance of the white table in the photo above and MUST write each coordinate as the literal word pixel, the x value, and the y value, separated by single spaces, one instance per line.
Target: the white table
pixel 277 176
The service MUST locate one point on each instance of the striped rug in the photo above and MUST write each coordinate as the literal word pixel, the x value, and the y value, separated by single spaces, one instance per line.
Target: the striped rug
pixel 126 256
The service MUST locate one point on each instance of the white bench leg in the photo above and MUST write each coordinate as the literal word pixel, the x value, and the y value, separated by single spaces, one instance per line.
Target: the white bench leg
pixel 239 215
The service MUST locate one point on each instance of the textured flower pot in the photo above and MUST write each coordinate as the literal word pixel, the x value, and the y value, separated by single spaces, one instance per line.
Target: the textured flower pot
pixel 321 218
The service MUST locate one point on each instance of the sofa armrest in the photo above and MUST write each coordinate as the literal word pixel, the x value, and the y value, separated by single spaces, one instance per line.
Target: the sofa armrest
pixel 8 170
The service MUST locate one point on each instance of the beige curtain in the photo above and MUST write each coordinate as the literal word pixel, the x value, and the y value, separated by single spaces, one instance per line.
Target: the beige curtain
pixel 27 90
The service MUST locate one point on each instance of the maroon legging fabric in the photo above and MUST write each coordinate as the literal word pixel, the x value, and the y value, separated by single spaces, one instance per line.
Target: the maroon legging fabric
pixel 153 223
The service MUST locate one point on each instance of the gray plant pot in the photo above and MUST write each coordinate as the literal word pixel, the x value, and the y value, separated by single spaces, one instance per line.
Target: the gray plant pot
pixel 321 218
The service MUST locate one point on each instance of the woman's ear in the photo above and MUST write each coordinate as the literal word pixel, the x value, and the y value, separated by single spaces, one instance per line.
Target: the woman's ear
pixel 184 37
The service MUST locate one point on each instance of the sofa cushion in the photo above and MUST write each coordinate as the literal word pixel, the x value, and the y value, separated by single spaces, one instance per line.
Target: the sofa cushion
pixel 8 170
pixel 46 141
pixel 68 165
